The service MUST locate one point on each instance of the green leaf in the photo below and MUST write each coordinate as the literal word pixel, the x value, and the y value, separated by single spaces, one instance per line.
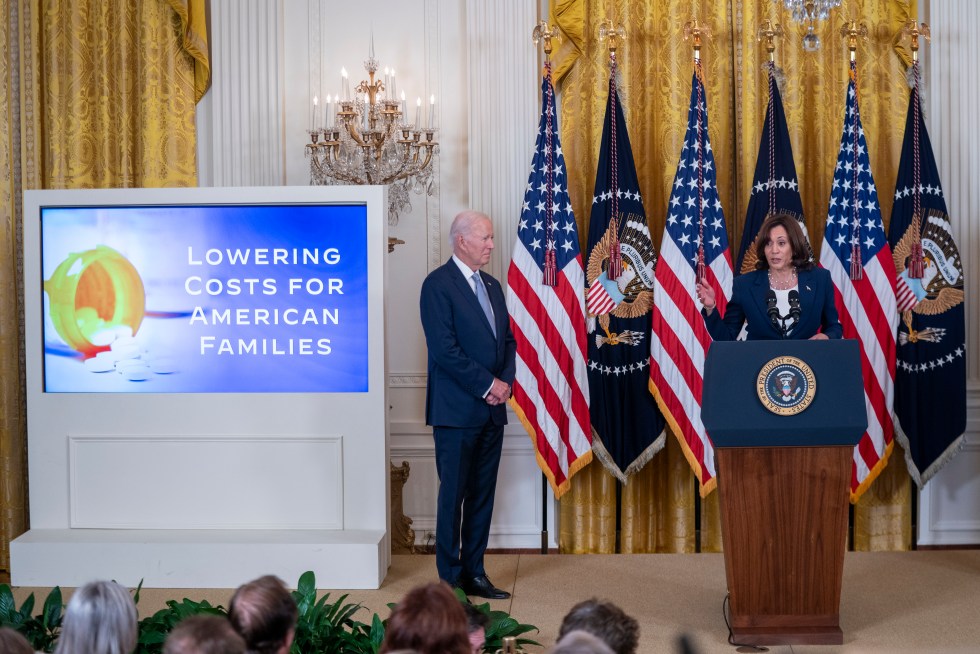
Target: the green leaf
pixel 136 594
pixel 7 605
pixel 307 584
pixel 27 607
pixel 52 610
pixel 377 633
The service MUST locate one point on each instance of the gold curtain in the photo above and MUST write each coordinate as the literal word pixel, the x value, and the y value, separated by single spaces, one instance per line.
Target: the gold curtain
pixel 97 94
pixel 657 506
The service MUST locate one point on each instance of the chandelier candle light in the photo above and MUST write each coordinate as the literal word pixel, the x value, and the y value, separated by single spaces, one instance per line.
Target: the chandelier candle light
pixel 367 139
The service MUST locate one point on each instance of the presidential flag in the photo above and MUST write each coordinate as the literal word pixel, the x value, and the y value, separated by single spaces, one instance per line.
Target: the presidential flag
pixel 856 253
pixel 547 310
pixel 775 186
pixel 930 375
pixel 695 243
pixel 627 428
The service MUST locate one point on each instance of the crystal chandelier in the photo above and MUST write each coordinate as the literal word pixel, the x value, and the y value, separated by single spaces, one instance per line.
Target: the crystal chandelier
pixel 810 11
pixel 367 138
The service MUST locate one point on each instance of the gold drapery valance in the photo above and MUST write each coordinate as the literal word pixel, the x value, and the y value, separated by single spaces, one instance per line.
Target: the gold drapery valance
pixel 657 506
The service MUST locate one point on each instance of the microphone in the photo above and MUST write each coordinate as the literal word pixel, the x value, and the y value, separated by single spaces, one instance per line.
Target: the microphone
pixel 794 305
pixel 772 311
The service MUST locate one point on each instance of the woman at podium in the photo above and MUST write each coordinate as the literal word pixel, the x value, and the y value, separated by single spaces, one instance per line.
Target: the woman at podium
pixel 786 296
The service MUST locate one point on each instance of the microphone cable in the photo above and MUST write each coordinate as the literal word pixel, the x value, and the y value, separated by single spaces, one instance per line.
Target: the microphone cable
pixel 725 607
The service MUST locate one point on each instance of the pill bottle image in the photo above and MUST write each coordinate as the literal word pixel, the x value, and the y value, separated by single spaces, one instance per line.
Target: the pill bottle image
pixel 95 296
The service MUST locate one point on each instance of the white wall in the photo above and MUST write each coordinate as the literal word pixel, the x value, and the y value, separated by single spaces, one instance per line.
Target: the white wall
pixel 478 59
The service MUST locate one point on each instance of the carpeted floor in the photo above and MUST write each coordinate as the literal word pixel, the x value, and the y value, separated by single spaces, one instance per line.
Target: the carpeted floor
pixel 891 602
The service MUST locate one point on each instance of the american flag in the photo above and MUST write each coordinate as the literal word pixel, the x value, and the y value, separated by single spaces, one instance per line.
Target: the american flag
pixel 627 427
pixel 856 253
pixel 547 312
pixel 775 186
pixel 930 376
pixel 680 338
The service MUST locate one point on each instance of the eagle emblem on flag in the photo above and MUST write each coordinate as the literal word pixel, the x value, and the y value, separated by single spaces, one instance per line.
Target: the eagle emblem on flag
pixel 941 286
pixel 630 294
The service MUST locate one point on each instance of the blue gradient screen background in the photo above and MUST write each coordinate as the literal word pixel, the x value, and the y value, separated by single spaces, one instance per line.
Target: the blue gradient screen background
pixel 300 326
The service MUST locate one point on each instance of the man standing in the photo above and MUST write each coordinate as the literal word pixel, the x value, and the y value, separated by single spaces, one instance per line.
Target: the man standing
pixel 471 369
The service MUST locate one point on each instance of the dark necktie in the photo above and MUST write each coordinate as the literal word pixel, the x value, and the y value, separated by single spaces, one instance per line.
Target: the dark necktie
pixel 481 295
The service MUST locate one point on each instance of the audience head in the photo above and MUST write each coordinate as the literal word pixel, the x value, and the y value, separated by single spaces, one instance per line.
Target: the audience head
pixel 797 241
pixel 580 642
pixel 204 634
pixel 606 621
pixel 264 613
pixel 429 620
pixel 100 619
pixel 13 642
pixel 476 625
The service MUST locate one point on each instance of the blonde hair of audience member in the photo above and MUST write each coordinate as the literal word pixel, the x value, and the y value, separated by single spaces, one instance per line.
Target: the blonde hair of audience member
pixel 428 620
pixel 13 642
pixel 606 621
pixel 264 613
pixel 204 634
pixel 580 642
pixel 100 619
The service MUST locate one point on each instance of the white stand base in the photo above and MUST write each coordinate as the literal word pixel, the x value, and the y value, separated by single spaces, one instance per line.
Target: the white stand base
pixel 191 558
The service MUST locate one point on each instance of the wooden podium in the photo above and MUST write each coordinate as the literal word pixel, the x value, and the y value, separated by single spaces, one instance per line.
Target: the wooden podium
pixel 784 477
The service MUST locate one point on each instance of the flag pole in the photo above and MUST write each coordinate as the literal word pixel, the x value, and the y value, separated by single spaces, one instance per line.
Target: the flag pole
pixel 696 31
pixel 544 513
pixel 852 31
pixel 543 33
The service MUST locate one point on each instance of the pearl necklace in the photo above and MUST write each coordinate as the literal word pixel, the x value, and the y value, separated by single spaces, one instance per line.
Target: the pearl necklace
pixel 783 285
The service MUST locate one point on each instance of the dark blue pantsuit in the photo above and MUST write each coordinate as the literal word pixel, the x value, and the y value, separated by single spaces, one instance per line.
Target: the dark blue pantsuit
pixel 748 304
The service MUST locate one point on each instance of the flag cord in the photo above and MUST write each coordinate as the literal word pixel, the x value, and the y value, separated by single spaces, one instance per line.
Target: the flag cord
pixel 700 272
pixel 857 269
pixel 550 272
pixel 772 139
pixel 615 257
pixel 916 266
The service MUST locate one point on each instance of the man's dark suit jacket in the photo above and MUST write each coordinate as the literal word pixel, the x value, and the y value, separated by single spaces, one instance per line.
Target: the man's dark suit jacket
pixel 464 355
pixel 748 303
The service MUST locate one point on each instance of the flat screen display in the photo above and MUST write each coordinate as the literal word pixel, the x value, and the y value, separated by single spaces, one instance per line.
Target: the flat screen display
pixel 210 298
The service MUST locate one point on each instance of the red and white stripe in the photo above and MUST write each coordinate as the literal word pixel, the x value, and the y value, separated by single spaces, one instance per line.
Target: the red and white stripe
pixel 678 346
pixel 551 393
pixel 868 312
pixel 598 299
pixel 904 296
